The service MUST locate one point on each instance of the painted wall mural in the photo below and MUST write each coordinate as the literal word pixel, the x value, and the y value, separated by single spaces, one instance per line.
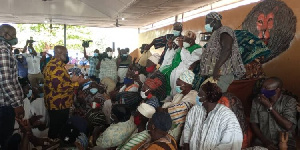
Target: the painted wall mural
pixel 274 23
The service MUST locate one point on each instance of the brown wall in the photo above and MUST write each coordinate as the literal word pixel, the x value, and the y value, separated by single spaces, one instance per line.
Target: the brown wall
pixel 286 66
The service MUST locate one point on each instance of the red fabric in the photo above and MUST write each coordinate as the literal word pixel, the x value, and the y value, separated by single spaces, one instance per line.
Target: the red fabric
pixel 243 90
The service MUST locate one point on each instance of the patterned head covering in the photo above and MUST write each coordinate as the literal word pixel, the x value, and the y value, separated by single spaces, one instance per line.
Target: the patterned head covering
pixel 187 77
pixel 177 24
pixel 214 15
pixel 190 34
pixel 154 58
pixel 146 110
pixel 162 121
pixel 153 83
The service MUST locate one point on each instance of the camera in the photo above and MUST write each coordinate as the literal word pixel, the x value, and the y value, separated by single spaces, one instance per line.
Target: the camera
pixel 86 44
pixel 31 40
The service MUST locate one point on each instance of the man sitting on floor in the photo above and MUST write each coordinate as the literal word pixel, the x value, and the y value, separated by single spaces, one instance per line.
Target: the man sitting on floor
pixel 272 113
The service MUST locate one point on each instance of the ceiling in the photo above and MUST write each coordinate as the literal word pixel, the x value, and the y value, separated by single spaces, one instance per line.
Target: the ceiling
pixel 95 13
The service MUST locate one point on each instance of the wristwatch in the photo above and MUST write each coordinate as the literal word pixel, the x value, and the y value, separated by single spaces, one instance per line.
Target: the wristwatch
pixel 270 109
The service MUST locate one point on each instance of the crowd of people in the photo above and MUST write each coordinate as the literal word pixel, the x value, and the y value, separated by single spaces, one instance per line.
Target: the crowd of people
pixel 176 100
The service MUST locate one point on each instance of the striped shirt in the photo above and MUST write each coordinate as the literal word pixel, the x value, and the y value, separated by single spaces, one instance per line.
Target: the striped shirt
pixel 219 129
pixel 179 111
pixel 11 93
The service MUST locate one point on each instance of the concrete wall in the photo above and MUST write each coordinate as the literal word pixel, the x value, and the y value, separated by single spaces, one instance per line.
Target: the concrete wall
pixel 286 66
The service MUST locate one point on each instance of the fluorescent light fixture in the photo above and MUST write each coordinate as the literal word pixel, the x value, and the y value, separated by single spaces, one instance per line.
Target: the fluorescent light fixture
pixel 123 18
pixel 199 12
pixel 45 21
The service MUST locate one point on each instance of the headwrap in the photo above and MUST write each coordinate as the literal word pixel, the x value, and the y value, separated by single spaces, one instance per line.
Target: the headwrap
pixel 154 58
pixel 191 34
pixel 146 110
pixel 177 24
pixel 95 118
pixel 153 83
pixel 122 112
pixel 187 77
pixel 214 15
pixel 162 121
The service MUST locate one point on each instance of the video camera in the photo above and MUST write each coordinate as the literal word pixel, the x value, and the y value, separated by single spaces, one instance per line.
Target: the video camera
pixel 31 40
pixel 86 44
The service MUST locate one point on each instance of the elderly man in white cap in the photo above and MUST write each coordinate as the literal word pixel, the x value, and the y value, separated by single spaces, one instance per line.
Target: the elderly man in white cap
pixel 182 102
pixel 143 114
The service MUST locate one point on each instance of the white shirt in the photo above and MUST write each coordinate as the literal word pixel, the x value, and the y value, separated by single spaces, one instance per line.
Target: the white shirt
pixel 33 63
pixel 219 130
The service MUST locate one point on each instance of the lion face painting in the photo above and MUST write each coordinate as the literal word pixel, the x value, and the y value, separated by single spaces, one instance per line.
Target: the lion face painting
pixel 274 23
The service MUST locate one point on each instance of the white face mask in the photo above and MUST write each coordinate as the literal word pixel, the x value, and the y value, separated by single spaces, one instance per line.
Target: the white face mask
pixel 176 33
pixel 109 54
pixel 143 94
pixel 186 45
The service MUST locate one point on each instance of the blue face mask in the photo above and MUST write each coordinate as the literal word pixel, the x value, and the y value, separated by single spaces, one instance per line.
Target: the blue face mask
pixel 199 103
pixel 41 95
pixel 268 93
pixel 96 54
pixel 178 90
pixel 208 28
pixel 176 33
pixel 29 94
pixel 93 90
pixel 128 80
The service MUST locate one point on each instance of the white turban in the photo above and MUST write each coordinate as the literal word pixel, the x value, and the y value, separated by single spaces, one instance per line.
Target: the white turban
pixel 146 110
pixel 154 58
pixel 187 77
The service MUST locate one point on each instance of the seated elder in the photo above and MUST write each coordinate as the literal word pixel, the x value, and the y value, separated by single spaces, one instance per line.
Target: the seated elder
pixel 144 113
pixel 148 92
pixel 273 113
pixel 129 84
pixel 182 102
pixel 119 131
pixel 158 127
pixel 210 125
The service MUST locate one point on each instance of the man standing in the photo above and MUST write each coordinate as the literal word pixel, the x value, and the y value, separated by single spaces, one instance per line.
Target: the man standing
pixel 11 94
pixel 221 57
pixel 273 113
pixel 93 60
pixel 22 64
pixel 163 40
pixel 59 89
pixel 34 60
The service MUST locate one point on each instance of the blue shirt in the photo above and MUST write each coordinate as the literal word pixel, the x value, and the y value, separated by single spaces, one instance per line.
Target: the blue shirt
pixel 22 67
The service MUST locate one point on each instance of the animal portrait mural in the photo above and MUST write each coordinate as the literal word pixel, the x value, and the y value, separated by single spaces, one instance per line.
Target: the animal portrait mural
pixel 274 23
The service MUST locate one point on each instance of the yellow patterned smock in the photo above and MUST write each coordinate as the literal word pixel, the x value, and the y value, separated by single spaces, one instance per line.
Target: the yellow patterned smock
pixel 58 87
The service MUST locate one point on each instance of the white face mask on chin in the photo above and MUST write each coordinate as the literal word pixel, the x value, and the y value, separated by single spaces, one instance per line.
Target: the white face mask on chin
pixel 186 44
pixel 109 54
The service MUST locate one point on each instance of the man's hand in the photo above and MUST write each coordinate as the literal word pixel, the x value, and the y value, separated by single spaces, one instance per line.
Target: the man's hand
pixel 180 41
pixel 265 101
pixel 147 47
pixel 75 78
pixel 216 74
pixel 170 43
pixel 19 111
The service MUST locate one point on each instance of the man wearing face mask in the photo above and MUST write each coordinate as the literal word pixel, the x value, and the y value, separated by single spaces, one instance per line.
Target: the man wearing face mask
pixel 182 102
pixel 221 57
pixel 123 62
pixel 22 64
pixel 272 113
pixel 188 55
pixel 108 67
pixel 163 40
pixel 210 125
pixel 149 92
pixel 11 95
pixel 59 90
pixel 34 60
pixel 93 61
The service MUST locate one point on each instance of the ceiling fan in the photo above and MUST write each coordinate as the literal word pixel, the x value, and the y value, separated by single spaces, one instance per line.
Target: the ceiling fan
pixel 51 26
